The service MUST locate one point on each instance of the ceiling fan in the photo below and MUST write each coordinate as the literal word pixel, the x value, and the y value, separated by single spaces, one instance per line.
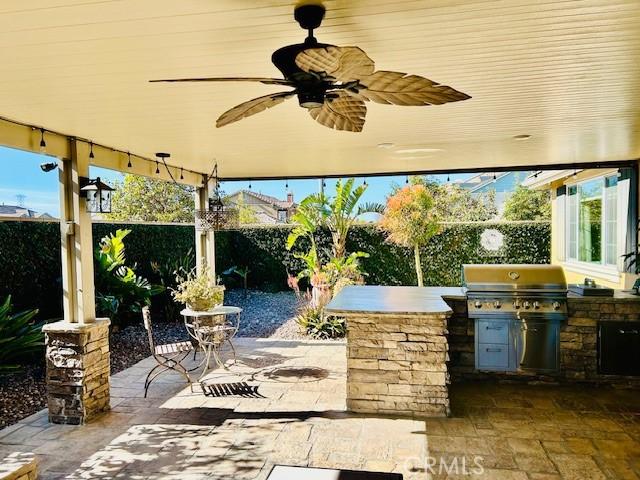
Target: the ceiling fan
pixel 332 82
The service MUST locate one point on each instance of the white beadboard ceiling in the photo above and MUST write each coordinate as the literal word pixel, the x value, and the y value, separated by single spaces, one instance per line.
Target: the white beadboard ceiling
pixel 565 72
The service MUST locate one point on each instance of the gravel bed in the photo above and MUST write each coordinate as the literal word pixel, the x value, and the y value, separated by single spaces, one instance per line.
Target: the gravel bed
pixel 264 315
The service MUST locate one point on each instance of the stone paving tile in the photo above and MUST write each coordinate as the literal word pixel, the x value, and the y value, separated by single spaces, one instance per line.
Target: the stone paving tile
pixel 297 416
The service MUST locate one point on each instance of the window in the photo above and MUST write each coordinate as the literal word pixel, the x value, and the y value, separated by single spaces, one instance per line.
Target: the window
pixel 592 221
pixel 282 216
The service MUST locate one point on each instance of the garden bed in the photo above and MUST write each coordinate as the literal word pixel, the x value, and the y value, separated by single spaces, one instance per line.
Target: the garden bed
pixel 264 315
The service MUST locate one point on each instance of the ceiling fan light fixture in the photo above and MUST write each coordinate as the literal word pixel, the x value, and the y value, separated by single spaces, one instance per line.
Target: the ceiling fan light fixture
pixel 311 100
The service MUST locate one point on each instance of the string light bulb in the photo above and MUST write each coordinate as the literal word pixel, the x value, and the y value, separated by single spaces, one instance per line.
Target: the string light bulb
pixel 157 168
pixel 494 176
pixel 448 178
pixel 286 184
pixel 181 175
pixel 249 184
pixel 365 182
pixel 91 155
pixel 406 180
pixel 129 160
pixel 43 144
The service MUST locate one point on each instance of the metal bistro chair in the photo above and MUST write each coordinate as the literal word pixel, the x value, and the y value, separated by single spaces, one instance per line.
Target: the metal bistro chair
pixel 169 356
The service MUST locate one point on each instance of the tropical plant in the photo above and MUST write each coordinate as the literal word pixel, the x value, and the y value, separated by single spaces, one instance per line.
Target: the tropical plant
pixel 316 324
pixel 197 291
pixel 242 272
pixel 527 204
pixel 166 274
pixel 120 291
pixel 410 219
pixel 151 200
pixel 20 336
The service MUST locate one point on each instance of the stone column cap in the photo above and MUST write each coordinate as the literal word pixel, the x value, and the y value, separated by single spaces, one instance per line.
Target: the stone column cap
pixel 68 327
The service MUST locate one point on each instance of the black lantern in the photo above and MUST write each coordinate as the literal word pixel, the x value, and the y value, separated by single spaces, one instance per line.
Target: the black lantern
pixel 217 216
pixel 97 194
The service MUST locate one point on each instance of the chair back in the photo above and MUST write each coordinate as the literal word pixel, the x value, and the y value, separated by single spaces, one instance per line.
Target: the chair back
pixel 146 318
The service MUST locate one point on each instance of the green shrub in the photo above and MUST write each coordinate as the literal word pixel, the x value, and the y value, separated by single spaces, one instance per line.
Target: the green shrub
pixel 316 324
pixel 31 270
pixel 20 336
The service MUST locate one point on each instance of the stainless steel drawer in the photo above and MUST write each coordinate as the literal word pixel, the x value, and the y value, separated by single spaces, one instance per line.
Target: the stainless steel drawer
pixel 493 331
pixel 493 356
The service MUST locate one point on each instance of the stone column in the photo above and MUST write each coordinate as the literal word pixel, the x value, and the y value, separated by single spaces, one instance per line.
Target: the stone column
pixel 78 371
pixel 396 364
pixel 77 348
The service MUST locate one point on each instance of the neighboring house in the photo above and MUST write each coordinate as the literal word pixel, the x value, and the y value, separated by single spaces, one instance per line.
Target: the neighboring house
pixel 16 211
pixel 267 209
pixel 502 183
pixel 593 222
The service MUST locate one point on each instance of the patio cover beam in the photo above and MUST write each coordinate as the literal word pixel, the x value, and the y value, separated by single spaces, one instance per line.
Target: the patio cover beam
pixel 26 137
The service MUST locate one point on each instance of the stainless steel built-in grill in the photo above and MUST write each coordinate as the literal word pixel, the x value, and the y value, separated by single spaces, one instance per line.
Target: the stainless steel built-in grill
pixel 517 310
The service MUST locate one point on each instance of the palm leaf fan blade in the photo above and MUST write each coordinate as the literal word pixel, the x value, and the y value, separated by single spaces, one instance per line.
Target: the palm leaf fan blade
pixel 399 88
pixel 345 112
pixel 342 63
pixel 251 107
pixel 265 80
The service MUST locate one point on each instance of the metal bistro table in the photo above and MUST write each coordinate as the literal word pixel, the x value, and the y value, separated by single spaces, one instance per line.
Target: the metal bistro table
pixel 212 330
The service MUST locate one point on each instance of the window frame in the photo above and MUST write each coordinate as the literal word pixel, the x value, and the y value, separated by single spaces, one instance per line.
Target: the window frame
pixel 604 241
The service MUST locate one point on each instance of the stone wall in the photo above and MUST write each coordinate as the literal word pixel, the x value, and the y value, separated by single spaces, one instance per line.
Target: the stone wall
pixel 397 365
pixel 78 369
pixel 578 340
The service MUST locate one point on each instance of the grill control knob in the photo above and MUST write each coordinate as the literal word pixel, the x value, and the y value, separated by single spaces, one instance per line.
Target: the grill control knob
pixel 497 304
pixel 556 305
pixel 516 304
pixel 536 305
pixel 526 304
pixel 478 304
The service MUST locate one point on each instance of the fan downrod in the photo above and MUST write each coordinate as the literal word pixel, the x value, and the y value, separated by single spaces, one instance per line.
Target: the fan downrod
pixel 309 16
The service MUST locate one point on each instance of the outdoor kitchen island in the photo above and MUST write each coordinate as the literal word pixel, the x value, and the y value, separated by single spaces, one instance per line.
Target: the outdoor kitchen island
pixel 397 348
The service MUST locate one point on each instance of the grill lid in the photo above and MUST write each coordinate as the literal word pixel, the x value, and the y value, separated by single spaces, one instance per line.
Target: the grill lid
pixel 510 278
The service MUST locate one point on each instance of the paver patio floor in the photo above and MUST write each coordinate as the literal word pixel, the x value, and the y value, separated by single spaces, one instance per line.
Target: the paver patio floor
pixel 297 416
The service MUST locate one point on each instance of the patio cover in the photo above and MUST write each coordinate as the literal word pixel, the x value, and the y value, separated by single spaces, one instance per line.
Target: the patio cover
pixel 564 72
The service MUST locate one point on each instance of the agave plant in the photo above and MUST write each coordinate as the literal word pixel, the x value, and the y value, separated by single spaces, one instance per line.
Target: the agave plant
pixel 20 336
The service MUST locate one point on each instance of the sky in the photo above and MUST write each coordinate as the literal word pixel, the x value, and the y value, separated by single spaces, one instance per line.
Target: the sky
pixel 21 175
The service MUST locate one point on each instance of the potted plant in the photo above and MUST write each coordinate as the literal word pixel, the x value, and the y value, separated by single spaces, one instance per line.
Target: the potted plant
pixel 197 292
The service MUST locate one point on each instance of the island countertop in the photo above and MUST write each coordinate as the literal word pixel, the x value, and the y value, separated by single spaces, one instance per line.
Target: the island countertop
pixel 373 299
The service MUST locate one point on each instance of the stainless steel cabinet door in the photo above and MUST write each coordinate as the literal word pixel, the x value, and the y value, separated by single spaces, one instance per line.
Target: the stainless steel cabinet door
pixel 536 345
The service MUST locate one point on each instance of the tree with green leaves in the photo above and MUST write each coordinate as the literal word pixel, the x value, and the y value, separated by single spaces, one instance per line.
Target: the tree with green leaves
pixel 146 199
pixel 456 204
pixel 528 204
pixel 411 219
pixel 246 214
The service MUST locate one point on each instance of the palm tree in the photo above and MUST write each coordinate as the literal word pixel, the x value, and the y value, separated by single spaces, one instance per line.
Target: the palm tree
pixel 337 213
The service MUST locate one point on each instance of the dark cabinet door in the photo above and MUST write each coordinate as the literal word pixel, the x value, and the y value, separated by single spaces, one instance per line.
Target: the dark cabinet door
pixel 619 348
pixel 536 345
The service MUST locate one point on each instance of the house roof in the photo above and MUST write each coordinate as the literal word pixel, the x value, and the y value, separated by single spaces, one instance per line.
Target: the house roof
pixel 276 202
pixel 564 73
pixel 20 212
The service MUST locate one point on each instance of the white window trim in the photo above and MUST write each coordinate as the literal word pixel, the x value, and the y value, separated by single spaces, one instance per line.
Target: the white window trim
pixel 609 273
pixel 593 268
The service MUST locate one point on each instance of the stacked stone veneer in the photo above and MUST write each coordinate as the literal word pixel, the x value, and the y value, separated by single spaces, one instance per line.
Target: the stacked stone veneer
pixel 77 371
pixel 397 365
pixel 578 339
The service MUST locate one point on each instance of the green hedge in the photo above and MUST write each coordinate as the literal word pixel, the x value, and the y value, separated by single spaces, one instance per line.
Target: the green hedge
pixel 30 252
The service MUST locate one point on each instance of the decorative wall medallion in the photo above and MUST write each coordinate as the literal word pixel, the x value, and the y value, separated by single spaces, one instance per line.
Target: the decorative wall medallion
pixel 492 240
pixel 514 275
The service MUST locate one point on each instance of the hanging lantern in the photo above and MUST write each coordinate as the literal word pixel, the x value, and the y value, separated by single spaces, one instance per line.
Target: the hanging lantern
pixel 218 216
pixel 97 195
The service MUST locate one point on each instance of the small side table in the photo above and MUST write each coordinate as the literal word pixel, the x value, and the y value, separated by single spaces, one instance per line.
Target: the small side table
pixel 212 329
